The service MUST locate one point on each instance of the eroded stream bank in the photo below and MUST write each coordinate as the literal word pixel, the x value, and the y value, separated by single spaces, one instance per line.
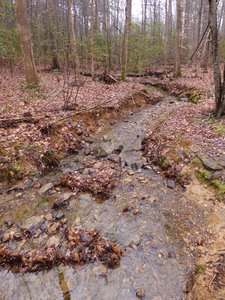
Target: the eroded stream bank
pixel 150 217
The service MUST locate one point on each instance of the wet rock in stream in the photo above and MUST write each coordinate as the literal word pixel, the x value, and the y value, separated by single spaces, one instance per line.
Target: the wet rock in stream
pixel 63 200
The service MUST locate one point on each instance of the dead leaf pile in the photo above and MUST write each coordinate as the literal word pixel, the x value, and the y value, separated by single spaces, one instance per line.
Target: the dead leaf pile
pixel 99 181
pixel 80 247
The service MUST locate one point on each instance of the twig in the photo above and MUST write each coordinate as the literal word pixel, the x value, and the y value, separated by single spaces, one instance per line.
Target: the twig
pixel 52 96
pixel 199 44
pixel 118 29
pixel 211 282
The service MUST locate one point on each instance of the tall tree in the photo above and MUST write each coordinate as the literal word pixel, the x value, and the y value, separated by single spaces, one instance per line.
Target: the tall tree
pixel 52 34
pixel 218 80
pixel 26 44
pixel 177 69
pixel 126 39
pixel 92 39
pixel 73 41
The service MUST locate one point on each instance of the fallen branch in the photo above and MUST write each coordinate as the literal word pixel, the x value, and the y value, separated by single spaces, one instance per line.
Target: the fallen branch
pixel 8 123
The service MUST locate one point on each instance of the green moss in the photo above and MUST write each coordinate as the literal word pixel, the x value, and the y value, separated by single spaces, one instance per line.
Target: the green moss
pixel 197 162
pixel 194 96
pixel 200 269
pixel 206 176
pixel 167 227
pixel 220 189
pixel 163 163
pixel 13 173
pixel 203 174
pixel 219 129
pixel 33 86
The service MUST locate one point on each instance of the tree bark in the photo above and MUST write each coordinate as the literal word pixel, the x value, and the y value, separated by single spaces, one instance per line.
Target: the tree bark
pixel 177 70
pixel 26 44
pixel 126 39
pixel 219 85
pixel 73 41
pixel 92 40
pixel 53 42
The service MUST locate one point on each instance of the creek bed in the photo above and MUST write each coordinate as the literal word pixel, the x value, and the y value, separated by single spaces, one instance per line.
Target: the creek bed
pixel 146 217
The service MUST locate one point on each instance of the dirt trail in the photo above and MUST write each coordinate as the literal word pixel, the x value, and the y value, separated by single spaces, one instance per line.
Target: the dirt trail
pixel 151 218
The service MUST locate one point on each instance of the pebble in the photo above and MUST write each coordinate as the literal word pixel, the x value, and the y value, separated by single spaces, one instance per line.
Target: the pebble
pixel 53 241
pixel 58 215
pixel 34 221
pixel 171 184
pixel 52 227
pixel 45 188
pixel 140 292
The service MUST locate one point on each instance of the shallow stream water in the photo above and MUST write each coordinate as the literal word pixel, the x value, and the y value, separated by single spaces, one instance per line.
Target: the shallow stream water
pixel 145 216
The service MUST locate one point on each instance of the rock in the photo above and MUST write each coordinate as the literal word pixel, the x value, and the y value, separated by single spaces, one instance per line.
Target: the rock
pixel 41 240
pixel 119 149
pixel 48 217
pixel 63 200
pixel 114 158
pixel 171 184
pixel 7 236
pixel 98 165
pixel 58 215
pixel 210 164
pixel 183 99
pixel 106 139
pixel 221 161
pixel 11 235
pixel 136 211
pixel 9 223
pixel 97 217
pixel 89 140
pixel 80 132
pixel 53 227
pixel 33 223
pixel 86 198
pixel 99 152
pixel 140 292
pixel 45 188
pixel 54 241
pixel 87 151
pixel 76 221
pixel 134 240
pixel 134 166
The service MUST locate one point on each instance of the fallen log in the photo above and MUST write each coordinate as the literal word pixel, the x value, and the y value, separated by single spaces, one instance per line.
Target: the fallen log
pixel 12 123
pixel 107 78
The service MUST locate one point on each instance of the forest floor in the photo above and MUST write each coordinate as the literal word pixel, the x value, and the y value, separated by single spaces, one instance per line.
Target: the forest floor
pixel 183 143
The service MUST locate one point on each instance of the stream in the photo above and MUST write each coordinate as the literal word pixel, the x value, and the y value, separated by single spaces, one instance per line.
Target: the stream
pixel 147 216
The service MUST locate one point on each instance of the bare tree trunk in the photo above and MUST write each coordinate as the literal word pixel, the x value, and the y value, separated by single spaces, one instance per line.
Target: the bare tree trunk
pixel 168 30
pixel 73 41
pixel 144 21
pixel 107 31
pixel 92 40
pixel 52 12
pixel 177 70
pixel 205 56
pixel 219 85
pixel 126 39
pixel 26 44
